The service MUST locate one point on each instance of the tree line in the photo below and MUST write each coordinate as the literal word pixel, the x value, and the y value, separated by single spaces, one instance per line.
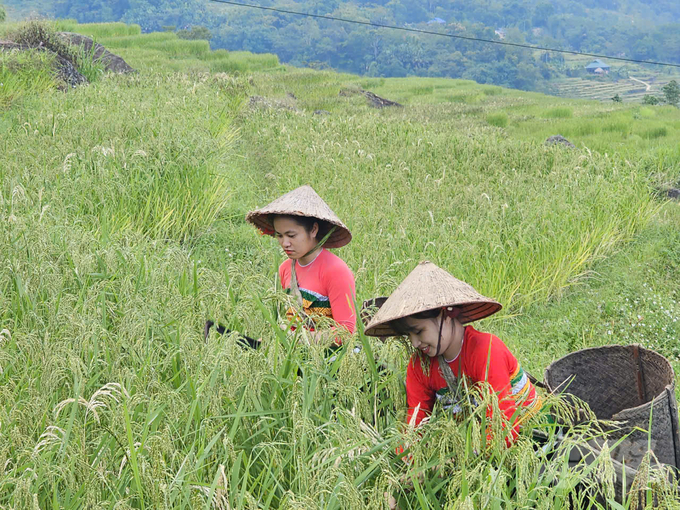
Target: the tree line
pixel 629 28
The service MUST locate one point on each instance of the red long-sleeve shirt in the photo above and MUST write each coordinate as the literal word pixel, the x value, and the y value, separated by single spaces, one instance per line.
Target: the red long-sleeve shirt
pixel 327 288
pixel 503 373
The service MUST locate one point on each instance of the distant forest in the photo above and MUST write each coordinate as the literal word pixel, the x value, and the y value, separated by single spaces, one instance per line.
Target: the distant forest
pixel 648 30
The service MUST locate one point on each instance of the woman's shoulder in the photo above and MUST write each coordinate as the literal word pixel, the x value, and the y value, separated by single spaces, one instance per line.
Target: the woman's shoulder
pixel 422 366
pixel 479 345
pixel 284 268
pixel 332 261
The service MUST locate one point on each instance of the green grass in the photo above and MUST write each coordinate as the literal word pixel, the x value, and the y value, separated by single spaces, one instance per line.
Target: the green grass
pixel 558 113
pixel 122 211
pixel 657 132
pixel 25 74
pixel 98 30
pixel 497 119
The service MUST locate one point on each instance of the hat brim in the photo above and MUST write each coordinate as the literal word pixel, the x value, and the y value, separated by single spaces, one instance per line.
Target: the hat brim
pixel 303 202
pixel 339 238
pixel 429 287
pixel 470 312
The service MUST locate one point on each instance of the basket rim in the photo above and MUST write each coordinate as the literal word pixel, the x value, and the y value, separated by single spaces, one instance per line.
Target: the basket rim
pixel 649 402
pixel 606 347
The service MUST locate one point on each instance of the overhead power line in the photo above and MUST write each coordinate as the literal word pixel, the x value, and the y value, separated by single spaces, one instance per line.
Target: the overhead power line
pixel 430 32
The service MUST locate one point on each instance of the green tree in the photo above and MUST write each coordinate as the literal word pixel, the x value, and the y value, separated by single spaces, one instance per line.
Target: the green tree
pixel 542 14
pixel 2 13
pixel 195 33
pixel 649 99
pixel 617 99
pixel 671 92
pixel 153 15
pixel 91 11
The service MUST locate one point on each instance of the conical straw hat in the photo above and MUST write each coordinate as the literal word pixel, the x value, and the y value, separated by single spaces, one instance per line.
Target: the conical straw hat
pixel 428 287
pixel 302 201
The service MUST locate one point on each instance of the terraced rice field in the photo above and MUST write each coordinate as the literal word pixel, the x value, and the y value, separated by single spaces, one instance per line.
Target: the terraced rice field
pixel 604 89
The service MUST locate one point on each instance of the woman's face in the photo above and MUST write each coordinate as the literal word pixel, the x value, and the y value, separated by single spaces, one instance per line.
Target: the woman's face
pixel 424 335
pixel 293 238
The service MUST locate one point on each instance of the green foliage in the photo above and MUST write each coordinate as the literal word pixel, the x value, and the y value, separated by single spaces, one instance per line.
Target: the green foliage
pixel 558 113
pixel 671 92
pixel 651 100
pixel 195 33
pixel 88 11
pixel 3 14
pixel 36 34
pixel 90 68
pixel 164 50
pixel 579 25
pixel 498 119
pixel 25 74
pixel 98 30
pixel 617 99
pixel 42 35
pixel 657 132
pixel 623 127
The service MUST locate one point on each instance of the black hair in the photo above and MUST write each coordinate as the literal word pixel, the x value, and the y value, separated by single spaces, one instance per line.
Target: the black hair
pixel 306 222
pixel 401 327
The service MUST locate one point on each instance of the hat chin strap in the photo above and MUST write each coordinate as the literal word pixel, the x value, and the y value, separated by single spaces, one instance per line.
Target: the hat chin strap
pixel 444 367
pixel 451 312
pixel 439 339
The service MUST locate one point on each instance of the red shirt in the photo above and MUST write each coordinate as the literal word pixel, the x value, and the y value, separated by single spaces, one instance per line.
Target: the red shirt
pixel 327 288
pixel 505 375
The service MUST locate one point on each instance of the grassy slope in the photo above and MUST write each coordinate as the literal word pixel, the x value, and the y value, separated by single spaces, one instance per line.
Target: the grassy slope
pixel 122 210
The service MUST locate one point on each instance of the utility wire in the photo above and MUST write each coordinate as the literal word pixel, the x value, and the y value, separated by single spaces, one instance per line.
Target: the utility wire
pixel 452 36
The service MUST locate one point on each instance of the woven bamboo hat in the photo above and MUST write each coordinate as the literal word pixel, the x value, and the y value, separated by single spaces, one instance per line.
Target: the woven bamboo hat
pixel 429 287
pixel 302 201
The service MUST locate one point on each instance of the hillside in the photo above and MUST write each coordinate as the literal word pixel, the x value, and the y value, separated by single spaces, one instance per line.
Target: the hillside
pixel 122 206
pixel 621 28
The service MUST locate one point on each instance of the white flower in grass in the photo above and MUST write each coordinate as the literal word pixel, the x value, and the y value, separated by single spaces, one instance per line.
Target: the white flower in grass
pixel 53 435
pixel 66 166
pixel 112 391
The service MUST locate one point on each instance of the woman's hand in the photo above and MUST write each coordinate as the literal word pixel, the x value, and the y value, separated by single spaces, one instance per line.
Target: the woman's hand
pixel 316 337
pixel 391 501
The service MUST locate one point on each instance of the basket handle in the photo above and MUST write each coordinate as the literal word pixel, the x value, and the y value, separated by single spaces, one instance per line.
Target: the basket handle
pixel 639 375
pixel 535 381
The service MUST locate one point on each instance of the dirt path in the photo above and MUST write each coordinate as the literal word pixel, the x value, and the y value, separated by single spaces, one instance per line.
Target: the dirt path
pixel 649 87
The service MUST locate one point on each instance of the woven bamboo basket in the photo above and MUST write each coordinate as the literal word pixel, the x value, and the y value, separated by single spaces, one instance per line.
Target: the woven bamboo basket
pixel 627 384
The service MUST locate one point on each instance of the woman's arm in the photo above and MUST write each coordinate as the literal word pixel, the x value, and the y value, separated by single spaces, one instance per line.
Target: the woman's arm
pixel 419 394
pixel 492 364
pixel 341 294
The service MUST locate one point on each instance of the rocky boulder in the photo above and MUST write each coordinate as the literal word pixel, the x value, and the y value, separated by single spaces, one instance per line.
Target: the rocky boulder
pixel 111 62
pixel 373 100
pixel 69 75
pixel 559 140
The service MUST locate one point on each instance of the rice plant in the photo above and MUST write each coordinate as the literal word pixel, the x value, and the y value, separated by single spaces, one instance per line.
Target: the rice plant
pixel 497 119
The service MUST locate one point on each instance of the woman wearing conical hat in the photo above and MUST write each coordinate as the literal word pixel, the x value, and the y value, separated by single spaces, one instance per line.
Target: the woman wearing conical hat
pixel 432 308
pixel 319 280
